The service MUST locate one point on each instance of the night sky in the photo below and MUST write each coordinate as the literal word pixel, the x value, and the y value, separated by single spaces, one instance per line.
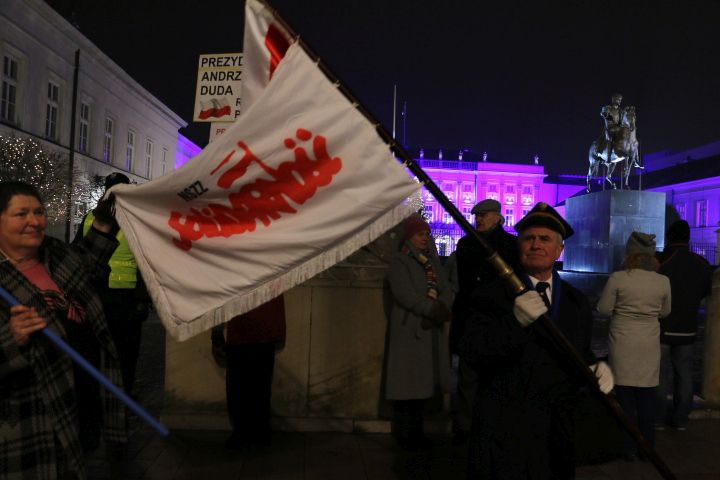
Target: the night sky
pixel 510 78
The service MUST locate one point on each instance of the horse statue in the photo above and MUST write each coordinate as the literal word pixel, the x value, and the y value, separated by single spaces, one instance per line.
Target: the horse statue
pixel 609 150
pixel 628 144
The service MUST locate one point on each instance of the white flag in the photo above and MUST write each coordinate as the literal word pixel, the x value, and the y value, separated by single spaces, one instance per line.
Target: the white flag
pixel 264 45
pixel 299 182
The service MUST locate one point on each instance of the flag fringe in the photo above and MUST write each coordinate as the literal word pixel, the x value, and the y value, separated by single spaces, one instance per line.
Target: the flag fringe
pixel 267 291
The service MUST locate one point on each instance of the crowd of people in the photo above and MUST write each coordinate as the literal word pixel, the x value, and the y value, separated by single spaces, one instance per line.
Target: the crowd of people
pixel 516 390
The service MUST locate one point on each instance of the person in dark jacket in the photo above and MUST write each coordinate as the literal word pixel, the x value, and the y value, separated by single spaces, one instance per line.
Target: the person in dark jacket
pixel 252 340
pixel 474 272
pixel 125 299
pixel 523 412
pixel 690 281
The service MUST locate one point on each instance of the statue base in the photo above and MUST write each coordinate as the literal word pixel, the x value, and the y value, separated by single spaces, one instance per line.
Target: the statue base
pixel 603 221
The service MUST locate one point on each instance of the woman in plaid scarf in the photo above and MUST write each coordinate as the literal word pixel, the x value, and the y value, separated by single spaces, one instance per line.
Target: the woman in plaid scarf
pixel 418 360
pixel 39 413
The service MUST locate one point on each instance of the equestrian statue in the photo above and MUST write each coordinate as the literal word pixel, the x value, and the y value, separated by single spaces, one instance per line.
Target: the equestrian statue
pixel 617 144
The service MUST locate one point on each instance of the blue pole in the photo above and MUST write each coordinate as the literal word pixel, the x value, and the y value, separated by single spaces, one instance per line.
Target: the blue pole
pixel 95 373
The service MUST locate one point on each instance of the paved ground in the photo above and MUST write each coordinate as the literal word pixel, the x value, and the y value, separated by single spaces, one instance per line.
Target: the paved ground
pixel 692 455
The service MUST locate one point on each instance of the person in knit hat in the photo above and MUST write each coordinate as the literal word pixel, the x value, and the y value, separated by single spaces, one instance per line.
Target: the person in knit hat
pixel 690 281
pixel 636 298
pixel 417 360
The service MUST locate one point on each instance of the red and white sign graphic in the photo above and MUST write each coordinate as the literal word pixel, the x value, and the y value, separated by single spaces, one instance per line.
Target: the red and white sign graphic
pixel 300 181
pixel 217 94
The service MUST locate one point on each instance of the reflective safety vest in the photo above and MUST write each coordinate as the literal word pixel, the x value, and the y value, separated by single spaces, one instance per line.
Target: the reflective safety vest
pixel 123 267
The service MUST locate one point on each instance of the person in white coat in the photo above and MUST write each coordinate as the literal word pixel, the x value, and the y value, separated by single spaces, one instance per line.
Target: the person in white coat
pixel 636 299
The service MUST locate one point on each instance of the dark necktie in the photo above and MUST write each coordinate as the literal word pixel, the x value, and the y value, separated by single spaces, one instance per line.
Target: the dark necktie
pixel 542 287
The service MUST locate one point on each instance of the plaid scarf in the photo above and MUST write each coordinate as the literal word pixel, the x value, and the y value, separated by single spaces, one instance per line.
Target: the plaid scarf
pixel 424 261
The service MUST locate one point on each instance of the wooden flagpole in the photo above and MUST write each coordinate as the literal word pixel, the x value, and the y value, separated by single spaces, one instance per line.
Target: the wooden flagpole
pixel 504 270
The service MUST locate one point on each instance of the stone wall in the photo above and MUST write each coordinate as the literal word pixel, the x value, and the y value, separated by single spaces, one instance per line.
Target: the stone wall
pixel 328 375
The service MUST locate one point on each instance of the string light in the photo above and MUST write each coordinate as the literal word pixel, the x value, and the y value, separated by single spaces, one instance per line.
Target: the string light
pixel 24 159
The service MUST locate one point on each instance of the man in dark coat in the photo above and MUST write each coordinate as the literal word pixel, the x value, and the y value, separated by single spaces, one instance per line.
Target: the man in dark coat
pixel 522 417
pixel 690 281
pixel 474 272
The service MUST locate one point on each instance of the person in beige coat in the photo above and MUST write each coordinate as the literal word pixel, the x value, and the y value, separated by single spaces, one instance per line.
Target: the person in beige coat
pixel 636 298
pixel 418 360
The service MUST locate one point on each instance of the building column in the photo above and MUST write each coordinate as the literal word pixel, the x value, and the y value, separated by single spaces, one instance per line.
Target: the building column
pixel 711 376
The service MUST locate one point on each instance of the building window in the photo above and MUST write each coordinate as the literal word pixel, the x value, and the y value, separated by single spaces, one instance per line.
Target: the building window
pixel 429 212
pixel 8 103
pixel 164 160
pixel 467 187
pixel 84 140
pixel 527 195
pixel 148 157
pixel 510 188
pixel 447 218
pixel 130 151
pixel 509 217
pixel 466 213
pixel 108 141
pixel 681 210
pixel 701 213
pixel 492 187
pixel 525 211
pixel 51 110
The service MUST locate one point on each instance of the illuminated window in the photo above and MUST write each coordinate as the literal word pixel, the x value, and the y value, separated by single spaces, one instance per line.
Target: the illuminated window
pixel 447 218
pixel 681 210
pixel 130 151
pixel 148 157
pixel 701 213
pixel 429 212
pixel 527 195
pixel 163 164
pixel 466 213
pixel 108 140
pixel 51 110
pixel 84 137
pixel 509 217
pixel 8 101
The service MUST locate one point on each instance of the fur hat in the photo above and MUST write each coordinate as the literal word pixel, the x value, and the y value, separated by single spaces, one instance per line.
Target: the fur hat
pixel 413 225
pixel 639 242
pixel 543 215
pixel 678 232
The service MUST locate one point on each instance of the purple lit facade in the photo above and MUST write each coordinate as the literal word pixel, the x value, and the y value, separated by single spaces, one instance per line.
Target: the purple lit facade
pixel 186 150
pixel 690 179
pixel 518 187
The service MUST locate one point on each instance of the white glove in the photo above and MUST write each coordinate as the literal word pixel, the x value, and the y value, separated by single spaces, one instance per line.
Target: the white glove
pixel 604 375
pixel 528 307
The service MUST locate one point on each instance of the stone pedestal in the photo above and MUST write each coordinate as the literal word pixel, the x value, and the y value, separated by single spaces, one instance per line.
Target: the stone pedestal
pixel 711 374
pixel 327 377
pixel 603 221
